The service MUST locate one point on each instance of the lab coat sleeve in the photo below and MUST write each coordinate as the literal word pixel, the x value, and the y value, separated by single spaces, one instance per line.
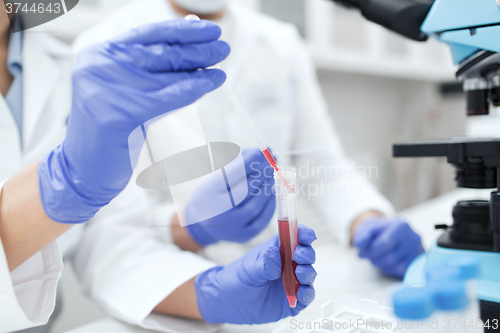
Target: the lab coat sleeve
pixel 334 185
pixel 28 294
pixel 127 264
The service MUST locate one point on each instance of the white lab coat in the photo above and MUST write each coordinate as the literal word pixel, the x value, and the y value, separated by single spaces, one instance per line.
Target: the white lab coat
pixel 27 295
pixel 122 259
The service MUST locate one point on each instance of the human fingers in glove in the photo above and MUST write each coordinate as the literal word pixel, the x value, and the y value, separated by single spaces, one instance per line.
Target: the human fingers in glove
pixel 250 290
pixel 117 86
pixel 390 244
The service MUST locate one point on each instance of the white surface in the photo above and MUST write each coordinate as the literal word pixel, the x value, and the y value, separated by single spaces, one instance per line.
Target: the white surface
pixel 77 310
pixel 342 277
pixel 367 317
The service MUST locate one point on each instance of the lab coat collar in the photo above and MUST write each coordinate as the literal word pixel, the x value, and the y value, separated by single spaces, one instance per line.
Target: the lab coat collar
pixel 40 74
pixel 10 145
pixel 14 58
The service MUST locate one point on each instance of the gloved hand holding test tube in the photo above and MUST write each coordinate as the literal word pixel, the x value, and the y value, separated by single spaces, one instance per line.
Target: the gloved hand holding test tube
pixel 286 204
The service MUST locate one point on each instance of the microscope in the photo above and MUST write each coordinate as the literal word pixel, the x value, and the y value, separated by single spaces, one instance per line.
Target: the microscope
pixel 471 28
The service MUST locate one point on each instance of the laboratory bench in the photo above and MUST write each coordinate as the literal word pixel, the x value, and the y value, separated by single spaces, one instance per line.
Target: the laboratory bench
pixel 342 277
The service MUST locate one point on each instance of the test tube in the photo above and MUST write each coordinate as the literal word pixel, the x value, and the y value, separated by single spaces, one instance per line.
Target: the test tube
pixel 286 203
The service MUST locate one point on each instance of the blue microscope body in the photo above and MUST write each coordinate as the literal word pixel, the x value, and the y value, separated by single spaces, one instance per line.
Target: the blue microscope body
pixel 471 28
pixel 467 26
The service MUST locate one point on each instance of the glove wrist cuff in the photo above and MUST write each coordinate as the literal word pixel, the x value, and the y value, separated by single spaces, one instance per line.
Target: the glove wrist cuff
pixel 206 296
pixel 60 197
pixel 199 235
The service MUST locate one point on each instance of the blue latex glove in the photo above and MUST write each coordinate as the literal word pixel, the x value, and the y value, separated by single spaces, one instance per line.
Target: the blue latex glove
pixel 248 218
pixel 250 291
pixel 391 245
pixel 117 86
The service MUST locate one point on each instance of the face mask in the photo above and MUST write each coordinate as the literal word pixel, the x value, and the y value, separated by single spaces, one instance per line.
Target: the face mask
pixel 202 6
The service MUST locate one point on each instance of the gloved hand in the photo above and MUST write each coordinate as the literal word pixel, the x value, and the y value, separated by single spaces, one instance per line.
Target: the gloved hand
pixel 250 291
pixel 248 218
pixel 391 245
pixel 117 86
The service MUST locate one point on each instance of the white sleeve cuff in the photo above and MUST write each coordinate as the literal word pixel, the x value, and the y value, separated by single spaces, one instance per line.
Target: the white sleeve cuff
pixel 28 294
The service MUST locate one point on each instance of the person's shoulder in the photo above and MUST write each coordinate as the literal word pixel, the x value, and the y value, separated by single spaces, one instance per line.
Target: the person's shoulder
pixel 281 35
pixel 40 38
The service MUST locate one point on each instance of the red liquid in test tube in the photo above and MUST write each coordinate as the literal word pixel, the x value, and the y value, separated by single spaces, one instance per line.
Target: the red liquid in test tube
pixel 287 248
pixel 286 212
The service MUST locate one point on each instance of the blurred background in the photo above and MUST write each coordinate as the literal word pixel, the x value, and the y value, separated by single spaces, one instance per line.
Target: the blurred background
pixel 380 88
